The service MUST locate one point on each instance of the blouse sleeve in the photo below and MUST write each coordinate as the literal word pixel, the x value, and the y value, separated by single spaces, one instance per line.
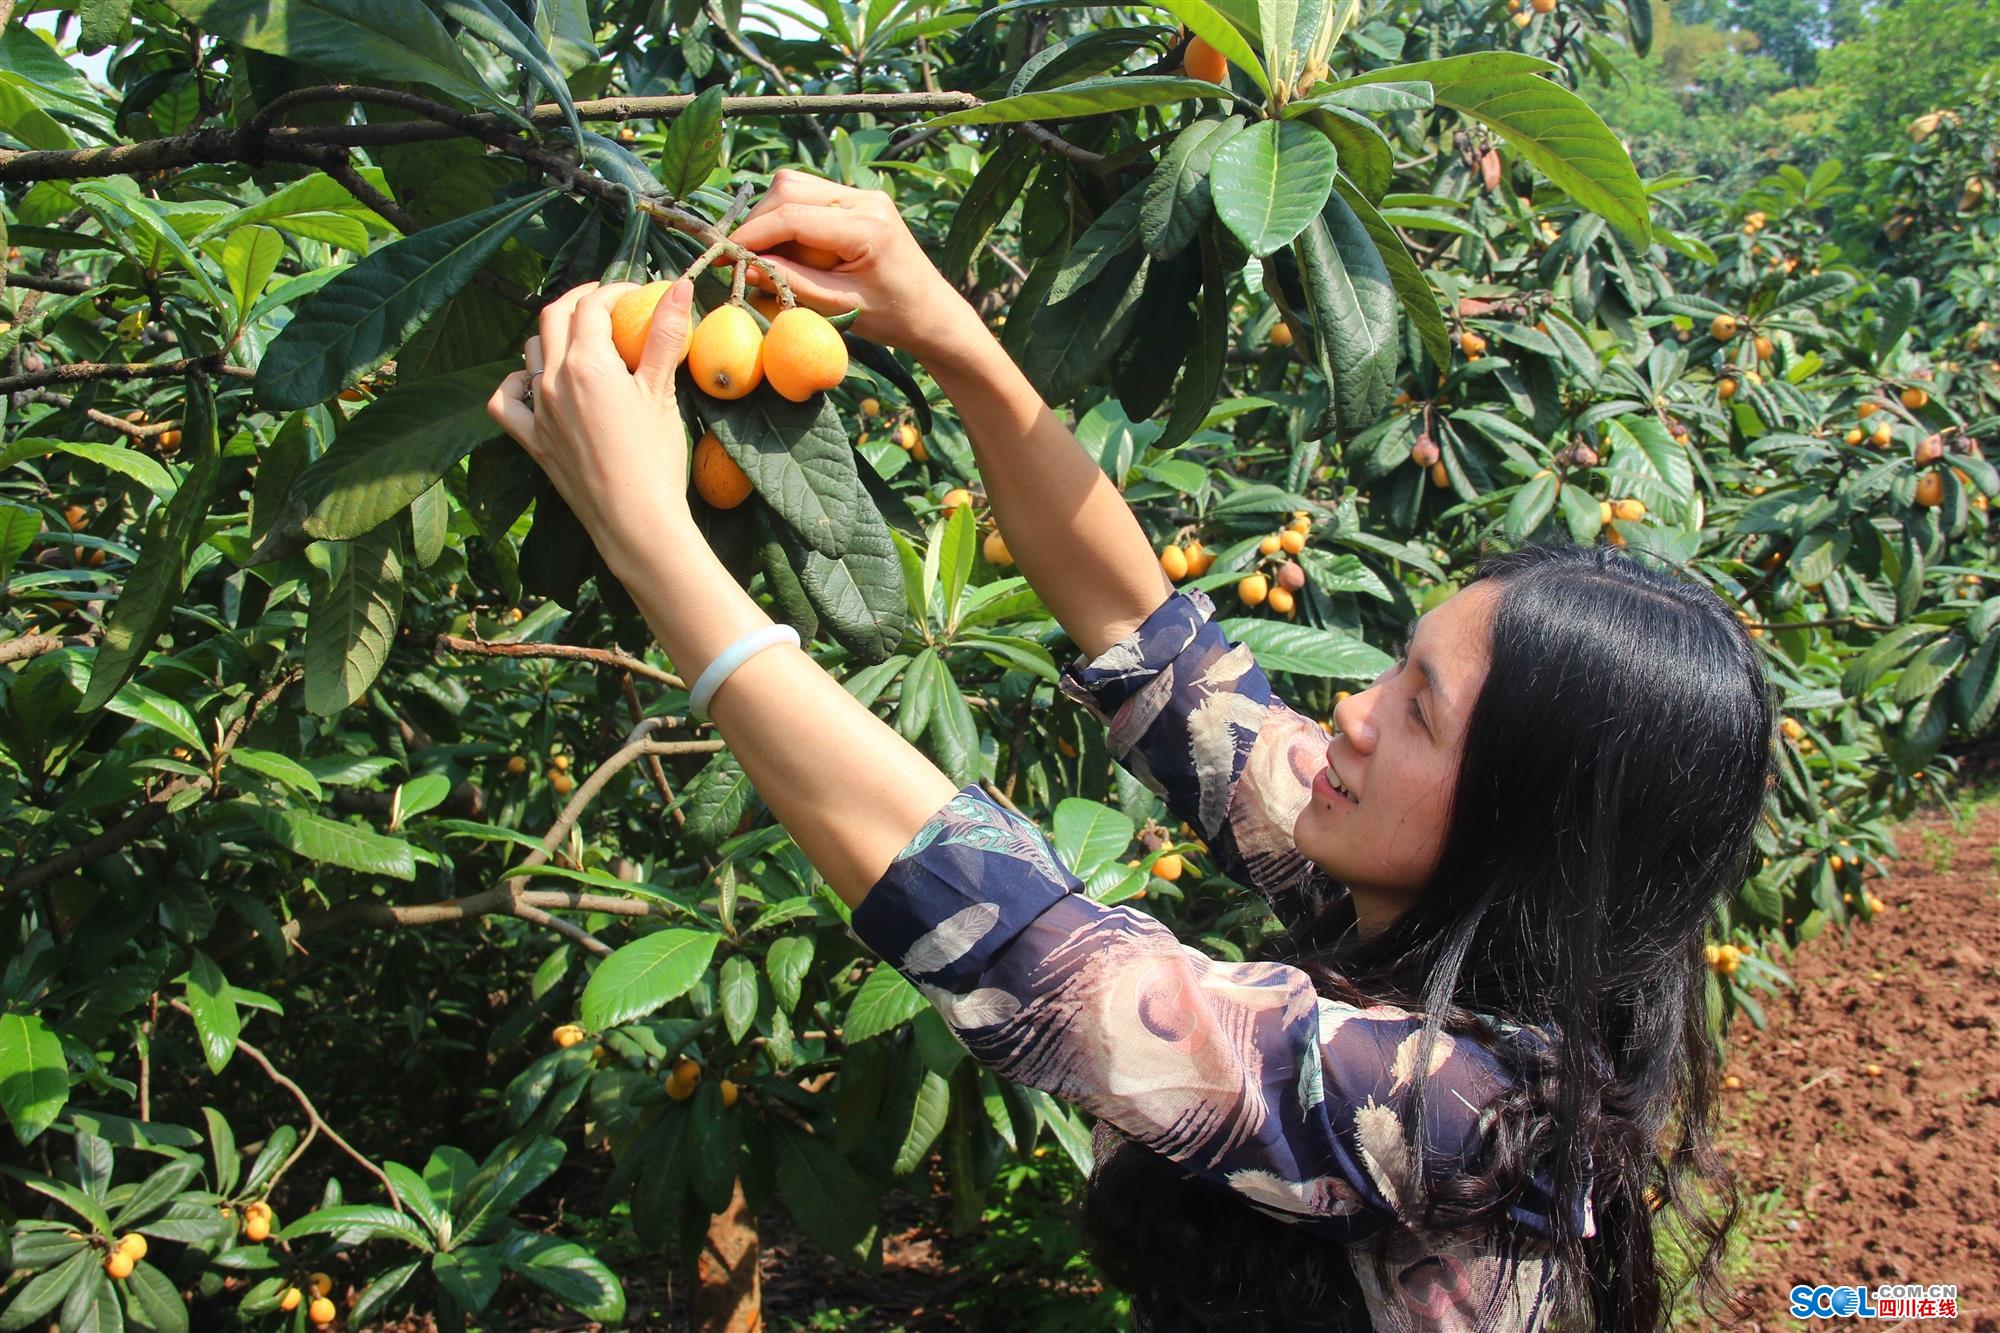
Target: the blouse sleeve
pixel 1239 1072
pixel 1192 717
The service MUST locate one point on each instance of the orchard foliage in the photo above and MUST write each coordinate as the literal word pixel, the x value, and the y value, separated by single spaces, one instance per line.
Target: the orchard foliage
pixel 336 771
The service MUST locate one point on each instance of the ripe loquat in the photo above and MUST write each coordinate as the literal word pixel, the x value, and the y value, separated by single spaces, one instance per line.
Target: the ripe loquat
pixel 726 353
pixel 995 549
pixel 1174 562
pixel 321 1311
pixel 632 320
pixel 119 1265
pixel 1292 541
pixel 1253 589
pixel 1169 867
pixel 803 354
pixel 717 478
pixel 1203 61
pixel 1280 600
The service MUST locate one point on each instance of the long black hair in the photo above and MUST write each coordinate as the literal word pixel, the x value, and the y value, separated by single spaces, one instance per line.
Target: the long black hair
pixel 1615 763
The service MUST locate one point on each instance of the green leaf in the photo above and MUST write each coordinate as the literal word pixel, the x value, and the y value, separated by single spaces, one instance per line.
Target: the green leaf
pixel 158 1303
pixel 1177 197
pixel 1553 128
pixel 829 1199
pixel 1341 573
pixel 469 1276
pixel 1279 645
pixel 1979 688
pixel 249 257
pixel 153 709
pixel 694 145
pixel 352 622
pixel 124 210
pixel 282 768
pixel 786 963
pixel 422 793
pixel 652 971
pixel 380 1291
pixel 393 451
pixel 18 526
pixel 216 1021
pixel 1412 288
pixel 928 1113
pixel 45 1291
pixel 1089 833
pixel 315 207
pixel 884 1003
pixel 986 201
pixel 357 321
pixel 1070 344
pixel 1113 232
pixel 1086 97
pixel 332 842
pixel 358 1222
pixel 363 41
pixel 859 593
pixel 1353 309
pixel 715 802
pixel 1533 503
pixel 737 994
pixel 513 1171
pixel 142 468
pixel 1270 181
pixel 567 1271
pixel 798 458
pixel 1650 463
pixel 1209 23
pixel 34 1077
pixel 146 602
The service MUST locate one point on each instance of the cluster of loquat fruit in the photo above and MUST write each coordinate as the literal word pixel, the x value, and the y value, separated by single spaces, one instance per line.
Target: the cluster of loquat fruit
pixel 798 352
pixel 682 1079
pixel 124 1256
pixel 1524 14
pixel 1279 588
pixel 321 1310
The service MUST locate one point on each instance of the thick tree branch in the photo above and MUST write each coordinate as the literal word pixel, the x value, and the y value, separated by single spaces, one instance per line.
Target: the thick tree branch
pixel 82 371
pixel 54 286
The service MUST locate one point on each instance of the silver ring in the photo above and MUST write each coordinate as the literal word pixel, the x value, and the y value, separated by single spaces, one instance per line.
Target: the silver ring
pixel 528 396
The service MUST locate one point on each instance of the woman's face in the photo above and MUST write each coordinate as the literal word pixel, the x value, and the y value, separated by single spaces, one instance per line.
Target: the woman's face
pixel 1395 751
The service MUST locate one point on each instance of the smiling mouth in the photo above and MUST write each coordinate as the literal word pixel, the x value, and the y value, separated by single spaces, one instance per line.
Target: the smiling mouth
pixel 1330 787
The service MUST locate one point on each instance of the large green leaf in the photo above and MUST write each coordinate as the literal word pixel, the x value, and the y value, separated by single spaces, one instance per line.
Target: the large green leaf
pixel 316 207
pixel 146 602
pixel 736 992
pixel 357 321
pixel 333 842
pixel 1280 645
pixel 567 1271
pixel 992 192
pixel 469 1276
pixel 798 458
pixel 831 1202
pixel 1114 231
pixel 1070 344
pixel 363 41
pixel 352 622
pixel 389 454
pixel 1177 195
pixel 34 1077
pixel 652 971
pixel 18 526
pixel 1420 303
pixel 358 1222
pixel 1201 377
pixel 1089 833
pixel 1546 123
pixel 1087 97
pixel 786 964
pixel 1270 181
pixel 858 593
pixel 1353 307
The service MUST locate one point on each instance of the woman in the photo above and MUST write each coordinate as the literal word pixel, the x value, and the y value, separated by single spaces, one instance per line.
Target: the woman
pixel 1481 1063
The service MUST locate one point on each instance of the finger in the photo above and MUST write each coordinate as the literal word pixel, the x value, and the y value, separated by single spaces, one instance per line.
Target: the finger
pixel 509 412
pixel 590 327
pixel 531 354
pixel 666 341
pixel 843 231
pixel 791 185
pixel 830 293
pixel 555 321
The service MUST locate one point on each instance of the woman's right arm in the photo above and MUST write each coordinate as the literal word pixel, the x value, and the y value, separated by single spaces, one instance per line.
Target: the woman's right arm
pixel 1067 527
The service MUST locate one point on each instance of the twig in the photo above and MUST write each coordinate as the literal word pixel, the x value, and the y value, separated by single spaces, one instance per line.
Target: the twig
pixel 1055 143
pixel 368 912
pixel 654 769
pixel 80 371
pixel 569 930
pixel 636 746
pixel 314 1123
pixel 567 652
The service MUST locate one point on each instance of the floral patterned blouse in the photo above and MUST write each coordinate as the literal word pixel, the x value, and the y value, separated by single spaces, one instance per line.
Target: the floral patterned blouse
pixel 1239 1072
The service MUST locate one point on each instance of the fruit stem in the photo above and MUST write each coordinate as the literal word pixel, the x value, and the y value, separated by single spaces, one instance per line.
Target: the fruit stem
pixel 736 281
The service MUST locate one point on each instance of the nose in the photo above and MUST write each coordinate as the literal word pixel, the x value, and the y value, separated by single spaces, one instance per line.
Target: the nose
pixel 1353 717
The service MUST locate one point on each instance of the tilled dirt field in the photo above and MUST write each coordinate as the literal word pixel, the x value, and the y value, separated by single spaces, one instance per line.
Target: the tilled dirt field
pixel 1867 1130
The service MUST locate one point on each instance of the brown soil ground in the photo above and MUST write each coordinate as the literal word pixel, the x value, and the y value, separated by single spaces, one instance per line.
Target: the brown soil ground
pixel 1867 1131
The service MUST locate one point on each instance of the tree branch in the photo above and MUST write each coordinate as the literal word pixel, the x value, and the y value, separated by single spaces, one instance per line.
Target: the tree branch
pixel 764 66
pixel 315 1124
pixel 54 286
pixel 563 651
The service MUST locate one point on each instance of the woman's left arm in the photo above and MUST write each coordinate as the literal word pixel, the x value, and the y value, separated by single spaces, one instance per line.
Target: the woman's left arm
pixel 846 786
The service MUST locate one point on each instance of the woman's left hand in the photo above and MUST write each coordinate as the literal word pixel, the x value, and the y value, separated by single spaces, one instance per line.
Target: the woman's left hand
pixel 610 440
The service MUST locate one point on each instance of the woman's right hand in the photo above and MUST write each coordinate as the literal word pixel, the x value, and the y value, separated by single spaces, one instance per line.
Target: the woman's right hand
pixel 904 301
